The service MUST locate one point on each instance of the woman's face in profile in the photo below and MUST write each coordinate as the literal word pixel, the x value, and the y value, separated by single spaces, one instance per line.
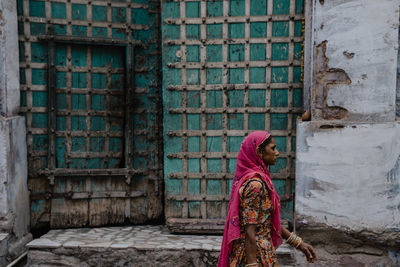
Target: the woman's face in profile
pixel 269 154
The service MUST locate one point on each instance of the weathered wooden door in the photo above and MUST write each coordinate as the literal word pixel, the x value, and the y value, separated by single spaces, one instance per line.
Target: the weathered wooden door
pixel 89 92
pixel 229 67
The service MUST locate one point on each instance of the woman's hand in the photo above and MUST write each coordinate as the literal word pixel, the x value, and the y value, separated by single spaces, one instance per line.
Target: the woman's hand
pixel 308 251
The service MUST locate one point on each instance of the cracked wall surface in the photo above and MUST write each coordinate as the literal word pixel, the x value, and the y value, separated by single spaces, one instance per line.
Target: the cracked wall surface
pixel 14 195
pixel 359 39
pixel 9 78
pixel 356 183
pixel 348 155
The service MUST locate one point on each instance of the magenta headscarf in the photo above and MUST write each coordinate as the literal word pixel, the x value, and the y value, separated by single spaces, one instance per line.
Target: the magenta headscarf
pixel 249 165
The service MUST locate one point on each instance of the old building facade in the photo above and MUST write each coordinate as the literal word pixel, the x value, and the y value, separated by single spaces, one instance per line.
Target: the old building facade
pixel 122 112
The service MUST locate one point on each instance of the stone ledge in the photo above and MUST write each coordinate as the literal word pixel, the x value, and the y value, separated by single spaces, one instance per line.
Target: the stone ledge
pixel 138 237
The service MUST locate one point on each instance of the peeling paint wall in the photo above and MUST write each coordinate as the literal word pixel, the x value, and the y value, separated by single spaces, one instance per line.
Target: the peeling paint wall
pixel 361 39
pixel 14 195
pixel 348 155
pixel 9 78
pixel 350 175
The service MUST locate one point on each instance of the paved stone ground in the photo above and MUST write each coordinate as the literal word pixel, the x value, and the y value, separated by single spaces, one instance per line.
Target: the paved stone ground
pixel 139 237
pixel 129 246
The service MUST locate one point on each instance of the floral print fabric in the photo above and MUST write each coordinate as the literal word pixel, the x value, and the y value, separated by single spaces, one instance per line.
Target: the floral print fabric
pixel 255 208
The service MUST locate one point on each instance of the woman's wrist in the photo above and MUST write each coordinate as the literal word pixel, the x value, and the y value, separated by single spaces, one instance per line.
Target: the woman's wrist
pixel 294 240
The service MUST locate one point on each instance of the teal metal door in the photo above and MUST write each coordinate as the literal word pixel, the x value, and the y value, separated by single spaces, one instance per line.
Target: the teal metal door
pixel 89 74
pixel 229 68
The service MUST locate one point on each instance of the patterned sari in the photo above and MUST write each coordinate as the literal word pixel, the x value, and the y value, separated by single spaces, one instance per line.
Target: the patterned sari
pixel 255 208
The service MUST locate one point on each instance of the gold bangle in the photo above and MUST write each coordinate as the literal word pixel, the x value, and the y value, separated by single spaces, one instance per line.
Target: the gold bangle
pixel 251 264
pixel 300 241
pixel 291 238
pixel 295 241
pixel 291 234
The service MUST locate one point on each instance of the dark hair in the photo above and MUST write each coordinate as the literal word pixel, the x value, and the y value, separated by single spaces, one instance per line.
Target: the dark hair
pixel 265 143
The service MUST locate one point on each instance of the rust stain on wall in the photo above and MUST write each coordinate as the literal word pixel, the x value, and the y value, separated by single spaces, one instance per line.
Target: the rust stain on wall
pixel 325 78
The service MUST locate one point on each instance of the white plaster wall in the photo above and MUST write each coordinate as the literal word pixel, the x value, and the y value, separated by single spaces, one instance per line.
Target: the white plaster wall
pixel 398 83
pixel 369 29
pixel 14 194
pixel 9 63
pixel 4 150
pixel 349 177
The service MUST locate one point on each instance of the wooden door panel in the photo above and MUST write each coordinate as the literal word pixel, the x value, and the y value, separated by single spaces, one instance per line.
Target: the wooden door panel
pixel 229 68
pixel 89 90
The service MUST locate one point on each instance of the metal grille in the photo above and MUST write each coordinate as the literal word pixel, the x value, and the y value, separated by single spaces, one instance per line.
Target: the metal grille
pixel 89 73
pixel 230 67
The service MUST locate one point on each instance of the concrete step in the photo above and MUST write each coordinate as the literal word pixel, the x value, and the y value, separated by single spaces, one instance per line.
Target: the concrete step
pixel 130 246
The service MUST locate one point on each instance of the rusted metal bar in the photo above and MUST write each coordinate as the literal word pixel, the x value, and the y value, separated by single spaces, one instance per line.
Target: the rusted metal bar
pixel 284 110
pixel 90 113
pixel 88 40
pixel 232 19
pixel 128 110
pixel 158 170
pixel 220 176
pixel 228 132
pixel 233 86
pixel 243 64
pixel 51 111
pixel 236 41
pixel 88 133
pixel 215 155
pixel 218 198
pixel 92 172
pixel 90 195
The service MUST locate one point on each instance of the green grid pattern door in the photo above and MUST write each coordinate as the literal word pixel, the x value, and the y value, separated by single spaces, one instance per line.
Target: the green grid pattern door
pixel 229 68
pixel 90 101
pixel 89 75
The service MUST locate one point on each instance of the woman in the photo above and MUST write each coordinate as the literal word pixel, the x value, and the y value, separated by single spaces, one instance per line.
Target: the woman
pixel 252 229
